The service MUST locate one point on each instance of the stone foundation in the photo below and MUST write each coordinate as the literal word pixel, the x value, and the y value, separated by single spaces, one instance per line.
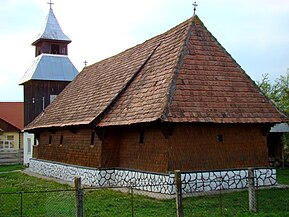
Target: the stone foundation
pixel 192 181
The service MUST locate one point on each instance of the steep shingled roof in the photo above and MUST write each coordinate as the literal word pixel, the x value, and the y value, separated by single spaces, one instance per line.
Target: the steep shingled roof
pixel 51 30
pixel 182 75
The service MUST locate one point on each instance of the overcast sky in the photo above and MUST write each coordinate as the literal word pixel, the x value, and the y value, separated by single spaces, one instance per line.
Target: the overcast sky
pixel 255 32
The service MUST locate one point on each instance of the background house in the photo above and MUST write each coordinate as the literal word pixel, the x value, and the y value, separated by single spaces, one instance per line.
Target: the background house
pixel 278 154
pixel 11 136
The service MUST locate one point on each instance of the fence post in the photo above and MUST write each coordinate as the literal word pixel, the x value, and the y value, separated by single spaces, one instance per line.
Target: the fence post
pixel 178 186
pixel 251 189
pixel 78 197
pixel 221 199
pixel 131 191
pixel 21 203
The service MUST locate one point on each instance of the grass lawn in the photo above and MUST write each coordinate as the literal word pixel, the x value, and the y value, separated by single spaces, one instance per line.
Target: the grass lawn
pixel 106 202
pixel 7 168
pixel 283 176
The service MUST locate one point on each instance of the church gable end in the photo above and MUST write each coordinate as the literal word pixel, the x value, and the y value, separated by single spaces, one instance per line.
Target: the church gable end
pixel 212 87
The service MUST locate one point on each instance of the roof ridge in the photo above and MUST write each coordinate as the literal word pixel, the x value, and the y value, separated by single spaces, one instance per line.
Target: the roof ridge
pixel 172 86
pixel 97 119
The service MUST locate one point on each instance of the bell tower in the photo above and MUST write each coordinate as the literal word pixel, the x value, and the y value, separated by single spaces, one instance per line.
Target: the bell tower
pixel 50 71
pixel 51 39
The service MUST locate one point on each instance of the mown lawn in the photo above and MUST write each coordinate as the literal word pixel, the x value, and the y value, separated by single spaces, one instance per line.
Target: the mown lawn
pixel 283 176
pixel 107 202
pixel 7 168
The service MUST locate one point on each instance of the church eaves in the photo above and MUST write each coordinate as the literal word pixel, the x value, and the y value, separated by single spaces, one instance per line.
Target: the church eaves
pixel 51 30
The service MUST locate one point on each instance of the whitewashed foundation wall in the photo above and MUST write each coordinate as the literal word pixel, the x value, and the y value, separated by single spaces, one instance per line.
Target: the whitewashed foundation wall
pixel 192 182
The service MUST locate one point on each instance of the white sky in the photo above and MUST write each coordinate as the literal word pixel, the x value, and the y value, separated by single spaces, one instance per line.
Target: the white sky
pixel 255 32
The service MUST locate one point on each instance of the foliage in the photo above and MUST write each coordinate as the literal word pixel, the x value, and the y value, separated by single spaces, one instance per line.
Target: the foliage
pixel 285 142
pixel 278 91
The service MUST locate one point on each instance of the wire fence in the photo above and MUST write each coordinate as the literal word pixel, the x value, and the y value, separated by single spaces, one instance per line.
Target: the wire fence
pixel 129 201
pixel 38 203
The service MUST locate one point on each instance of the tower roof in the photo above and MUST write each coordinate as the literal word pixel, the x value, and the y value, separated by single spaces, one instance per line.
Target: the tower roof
pixel 50 67
pixel 51 30
pixel 183 75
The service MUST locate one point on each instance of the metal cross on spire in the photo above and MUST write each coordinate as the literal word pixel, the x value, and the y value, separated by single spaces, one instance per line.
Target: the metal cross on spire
pixel 85 63
pixel 195 7
pixel 50 3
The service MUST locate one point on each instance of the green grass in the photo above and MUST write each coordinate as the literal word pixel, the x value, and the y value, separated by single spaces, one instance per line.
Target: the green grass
pixel 114 203
pixel 34 204
pixel 107 202
pixel 7 168
pixel 17 181
pixel 283 176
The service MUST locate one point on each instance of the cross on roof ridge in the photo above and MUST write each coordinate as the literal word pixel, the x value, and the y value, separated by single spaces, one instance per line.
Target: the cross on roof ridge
pixel 195 7
pixel 50 4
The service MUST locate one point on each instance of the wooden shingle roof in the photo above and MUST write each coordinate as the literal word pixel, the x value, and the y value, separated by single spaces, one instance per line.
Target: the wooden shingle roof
pixel 182 75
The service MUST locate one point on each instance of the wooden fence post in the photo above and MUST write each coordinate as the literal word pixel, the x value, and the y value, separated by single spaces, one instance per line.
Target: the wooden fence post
pixel 78 197
pixel 178 186
pixel 251 190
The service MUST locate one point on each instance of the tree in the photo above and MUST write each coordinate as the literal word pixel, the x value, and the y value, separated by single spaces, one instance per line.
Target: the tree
pixel 278 93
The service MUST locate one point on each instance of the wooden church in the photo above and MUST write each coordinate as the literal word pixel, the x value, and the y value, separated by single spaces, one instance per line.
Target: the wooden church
pixel 178 101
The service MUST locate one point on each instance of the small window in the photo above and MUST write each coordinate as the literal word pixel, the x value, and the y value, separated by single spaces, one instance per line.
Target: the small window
pixel 50 139
pixel 220 138
pixel 52 97
pixel 7 142
pixel 29 144
pixel 61 139
pixel 39 50
pixel 92 138
pixel 10 137
pixel 11 144
pixel 54 49
pixel 36 141
pixel 141 137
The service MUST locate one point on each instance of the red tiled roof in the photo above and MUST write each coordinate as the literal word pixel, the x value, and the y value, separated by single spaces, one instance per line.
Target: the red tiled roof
pixel 183 75
pixel 13 113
